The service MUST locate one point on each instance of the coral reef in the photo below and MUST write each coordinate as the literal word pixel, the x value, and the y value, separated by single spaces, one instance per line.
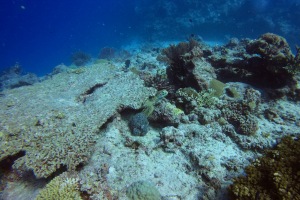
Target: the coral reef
pixel 54 127
pixel 13 77
pixel 189 99
pixel 142 190
pixel 80 58
pixel 241 114
pixel 272 48
pixel 77 122
pixel 62 187
pixel 273 176
pixel 186 68
pixel 266 62
pixel 107 53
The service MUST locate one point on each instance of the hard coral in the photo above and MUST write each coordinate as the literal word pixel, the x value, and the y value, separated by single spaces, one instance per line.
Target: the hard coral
pixel 275 59
pixel 266 62
pixel 272 48
pixel 274 176
pixel 241 114
pixel 190 99
pixel 62 187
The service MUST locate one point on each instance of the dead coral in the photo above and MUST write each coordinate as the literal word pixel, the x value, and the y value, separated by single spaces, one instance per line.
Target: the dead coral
pixel 274 176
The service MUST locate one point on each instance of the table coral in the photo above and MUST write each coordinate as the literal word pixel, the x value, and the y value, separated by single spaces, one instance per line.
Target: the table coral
pixel 56 130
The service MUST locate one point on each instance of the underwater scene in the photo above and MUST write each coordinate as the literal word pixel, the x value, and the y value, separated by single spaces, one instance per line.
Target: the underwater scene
pixel 150 100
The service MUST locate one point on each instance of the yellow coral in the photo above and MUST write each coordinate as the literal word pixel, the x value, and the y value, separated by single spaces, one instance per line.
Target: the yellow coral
pixel 62 187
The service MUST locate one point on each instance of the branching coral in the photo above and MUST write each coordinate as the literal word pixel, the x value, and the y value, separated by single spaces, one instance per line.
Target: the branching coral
pixel 63 187
pixel 274 176
pixel 190 98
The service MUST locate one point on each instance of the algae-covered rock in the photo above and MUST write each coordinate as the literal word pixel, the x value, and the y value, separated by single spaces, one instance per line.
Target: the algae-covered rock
pixel 139 124
pixel 142 190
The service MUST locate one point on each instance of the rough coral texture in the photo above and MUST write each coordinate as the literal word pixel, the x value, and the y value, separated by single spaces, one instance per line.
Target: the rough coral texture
pixel 62 187
pixel 191 99
pixel 241 114
pixel 186 66
pixel 142 190
pixel 272 48
pixel 56 121
pixel 275 176
pixel 266 62
pixel 139 124
pixel 193 153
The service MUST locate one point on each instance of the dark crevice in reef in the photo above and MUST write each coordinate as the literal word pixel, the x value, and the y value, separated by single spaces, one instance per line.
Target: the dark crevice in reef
pixel 6 164
pixel 82 98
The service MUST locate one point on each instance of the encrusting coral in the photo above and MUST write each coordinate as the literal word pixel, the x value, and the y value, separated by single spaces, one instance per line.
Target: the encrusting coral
pixel 274 176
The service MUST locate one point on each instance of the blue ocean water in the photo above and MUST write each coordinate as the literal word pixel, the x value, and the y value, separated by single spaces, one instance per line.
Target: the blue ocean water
pixel 42 34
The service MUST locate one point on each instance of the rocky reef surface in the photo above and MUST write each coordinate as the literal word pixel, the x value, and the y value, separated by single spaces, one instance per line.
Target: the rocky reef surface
pixel 177 122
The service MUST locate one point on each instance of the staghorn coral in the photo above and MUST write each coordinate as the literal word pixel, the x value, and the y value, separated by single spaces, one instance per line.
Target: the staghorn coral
pixel 62 187
pixel 274 176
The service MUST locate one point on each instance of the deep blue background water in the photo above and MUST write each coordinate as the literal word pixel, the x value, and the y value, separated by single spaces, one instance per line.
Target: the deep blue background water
pixel 42 34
